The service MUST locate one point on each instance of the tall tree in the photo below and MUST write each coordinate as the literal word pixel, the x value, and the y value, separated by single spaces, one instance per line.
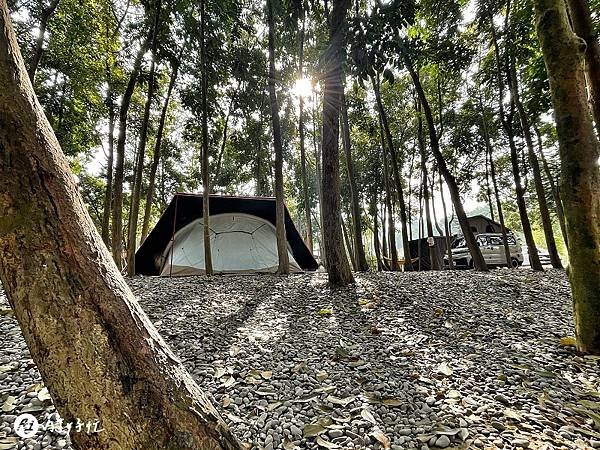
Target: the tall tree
pixel 337 263
pixel 564 56
pixel 141 150
pixel 46 14
pixel 208 266
pixel 117 214
pixel 359 248
pixel 83 326
pixel 282 251
pixel 581 20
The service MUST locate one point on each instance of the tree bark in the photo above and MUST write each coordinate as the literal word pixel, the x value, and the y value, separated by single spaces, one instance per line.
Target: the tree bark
pixel 96 350
pixel 397 175
pixel 282 251
pixel 560 213
pixel 584 28
pixel 433 250
pixel 446 226
pixel 477 257
pixel 208 266
pixel 535 167
pixel 579 152
pixel 301 132
pixel 337 264
pixel 141 153
pixel 117 213
pixel 108 194
pixel 359 249
pixel 506 120
pixel 47 14
pixel 390 237
pixel 157 152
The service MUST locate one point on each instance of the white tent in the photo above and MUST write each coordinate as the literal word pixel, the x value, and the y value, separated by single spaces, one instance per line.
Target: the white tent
pixel 240 243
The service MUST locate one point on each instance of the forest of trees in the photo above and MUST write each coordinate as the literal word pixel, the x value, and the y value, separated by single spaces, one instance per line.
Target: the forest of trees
pixel 358 115
pixel 363 117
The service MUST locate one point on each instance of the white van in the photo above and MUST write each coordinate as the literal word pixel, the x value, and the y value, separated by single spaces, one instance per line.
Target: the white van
pixel 492 249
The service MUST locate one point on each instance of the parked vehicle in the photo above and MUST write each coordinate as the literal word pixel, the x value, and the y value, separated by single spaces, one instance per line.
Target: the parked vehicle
pixel 492 249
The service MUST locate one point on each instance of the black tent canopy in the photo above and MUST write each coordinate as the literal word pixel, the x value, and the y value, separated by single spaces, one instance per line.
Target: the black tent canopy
pixel 184 211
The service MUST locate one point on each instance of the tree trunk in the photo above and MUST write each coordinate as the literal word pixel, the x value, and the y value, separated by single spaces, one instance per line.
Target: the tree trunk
pixel 584 28
pixel 376 243
pixel 534 258
pixel 397 175
pixel 555 191
pixel 477 257
pixel 282 251
pixel 96 350
pixel 389 249
pixel 579 153
pixel 535 167
pixel 446 225
pixel 39 43
pixel 157 152
pixel 117 213
pixel 490 157
pixel 208 266
pixel 337 263
pixel 348 243
pixel 110 104
pixel 318 173
pixel 359 249
pixel 141 153
pixel 301 132
pixel 433 250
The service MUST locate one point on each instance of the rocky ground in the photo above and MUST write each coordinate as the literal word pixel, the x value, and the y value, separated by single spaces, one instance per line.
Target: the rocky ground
pixel 416 360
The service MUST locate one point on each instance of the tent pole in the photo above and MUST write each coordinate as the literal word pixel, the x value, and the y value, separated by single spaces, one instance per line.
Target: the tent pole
pixel 173 237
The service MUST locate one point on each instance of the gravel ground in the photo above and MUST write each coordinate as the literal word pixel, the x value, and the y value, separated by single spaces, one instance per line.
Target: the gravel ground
pixel 415 360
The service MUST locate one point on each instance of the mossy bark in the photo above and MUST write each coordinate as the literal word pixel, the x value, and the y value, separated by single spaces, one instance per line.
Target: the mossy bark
pixel 96 350
pixel 579 153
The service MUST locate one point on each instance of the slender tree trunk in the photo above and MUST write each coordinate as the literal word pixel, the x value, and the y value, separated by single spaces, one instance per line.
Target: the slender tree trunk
pixel 506 120
pixel 117 213
pixel 95 348
pixel 208 265
pixel 390 236
pixel 337 263
pixel 301 132
pixel 579 153
pixel 488 188
pixel 47 14
pixel 348 243
pixel 318 173
pixel 584 28
pixel 535 167
pixel 446 225
pixel 157 153
pixel 141 153
pixel 433 250
pixel 376 243
pixel 359 249
pixel 477 257
pixel 555 191
pixel 397 175
pixel 108 194
pixel 282 251
pixel 490 157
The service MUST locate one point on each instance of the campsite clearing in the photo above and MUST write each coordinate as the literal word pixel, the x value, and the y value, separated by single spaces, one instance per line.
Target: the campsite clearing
pixel 430 359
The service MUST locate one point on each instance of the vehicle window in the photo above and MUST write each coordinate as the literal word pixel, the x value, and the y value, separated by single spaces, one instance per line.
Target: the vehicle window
pixel 495 240
pixel 459 243
pixel 511 240
pixel 481 240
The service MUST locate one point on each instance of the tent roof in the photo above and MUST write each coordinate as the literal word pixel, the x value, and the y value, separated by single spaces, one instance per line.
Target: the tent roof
pixel 185 208
pixel 487 219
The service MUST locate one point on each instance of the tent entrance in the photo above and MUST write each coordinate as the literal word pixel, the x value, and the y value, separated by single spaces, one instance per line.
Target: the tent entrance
pixel 240 243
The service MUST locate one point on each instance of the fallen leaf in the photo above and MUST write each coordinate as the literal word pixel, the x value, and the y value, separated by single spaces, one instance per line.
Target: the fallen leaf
pixel 322 375
pixel 288 445
pixel 267 374
pixel 234 350
pixel 567 341
pixel 340 401
pixel 392 401
pixel 382 438
pixel 313 429
pixel 226 401
pixel 229 381
pixel 44 395
pixel 366 414
pixel 9 404
pixel 325 312
pixel 299 367
pixel 512 414
pixel 273 406
pixel 444 369
pixel 219 372
pixel 234 418
pixel 323 443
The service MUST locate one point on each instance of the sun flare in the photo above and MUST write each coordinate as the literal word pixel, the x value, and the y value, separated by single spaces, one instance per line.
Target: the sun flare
pixel 303 87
